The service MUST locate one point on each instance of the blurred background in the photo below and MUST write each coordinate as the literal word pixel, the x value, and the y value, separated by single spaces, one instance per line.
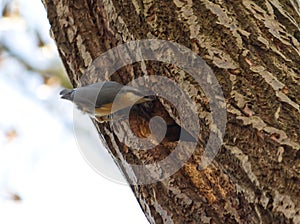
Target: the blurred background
pixel 43 176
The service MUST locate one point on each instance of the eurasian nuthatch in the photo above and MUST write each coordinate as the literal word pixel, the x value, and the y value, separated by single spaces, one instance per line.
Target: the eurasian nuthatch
pixel 102 99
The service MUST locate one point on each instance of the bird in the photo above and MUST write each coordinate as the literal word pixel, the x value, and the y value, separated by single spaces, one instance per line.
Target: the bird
pixel 102 99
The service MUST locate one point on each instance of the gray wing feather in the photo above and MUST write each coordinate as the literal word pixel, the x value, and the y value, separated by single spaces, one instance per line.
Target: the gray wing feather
pixel 97 94
pixel 102 93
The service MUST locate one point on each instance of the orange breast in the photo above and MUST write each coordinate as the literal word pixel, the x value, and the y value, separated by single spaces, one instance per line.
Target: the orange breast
pixel 104 110
pixel 120 102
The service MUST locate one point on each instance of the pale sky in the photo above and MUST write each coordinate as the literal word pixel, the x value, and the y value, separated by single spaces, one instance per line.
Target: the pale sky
pixel 39 157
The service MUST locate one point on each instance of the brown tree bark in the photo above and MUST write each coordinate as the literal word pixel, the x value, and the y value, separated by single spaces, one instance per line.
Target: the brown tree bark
pixel 253 48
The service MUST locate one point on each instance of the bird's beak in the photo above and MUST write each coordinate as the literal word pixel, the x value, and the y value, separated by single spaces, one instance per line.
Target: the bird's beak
pixel 66 94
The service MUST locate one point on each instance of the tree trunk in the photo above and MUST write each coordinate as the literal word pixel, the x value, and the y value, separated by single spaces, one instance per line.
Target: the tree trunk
pixel 253 48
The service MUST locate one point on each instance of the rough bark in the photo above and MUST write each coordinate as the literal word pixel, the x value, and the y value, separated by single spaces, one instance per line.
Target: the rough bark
pixel 253 48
